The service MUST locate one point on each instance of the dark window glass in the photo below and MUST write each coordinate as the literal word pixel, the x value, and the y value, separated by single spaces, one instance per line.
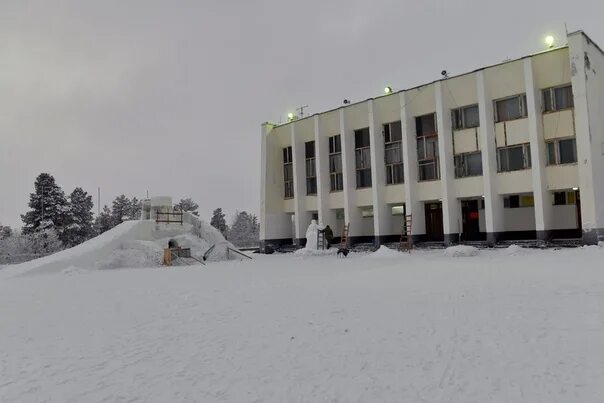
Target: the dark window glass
pixel 361 138
pixel 363 178
pixel 564 97
pixel 471 117
pixel 514 201
pixel 568 151
pixel 395 131
pixel 548 101
pixel 425 125
pixel 511 108
pixel 393 153
pixel 550 150
pixel 309 148
pixel 559 198
pixel 514 158
pixel 311 186
pixel 428 171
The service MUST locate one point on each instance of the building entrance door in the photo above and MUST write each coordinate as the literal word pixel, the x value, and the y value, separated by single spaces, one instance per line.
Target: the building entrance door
pixel 578 207
pixel 470 221
pixel 434 221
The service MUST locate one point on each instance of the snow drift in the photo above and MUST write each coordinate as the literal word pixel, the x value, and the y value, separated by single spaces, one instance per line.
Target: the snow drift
pixel 133 244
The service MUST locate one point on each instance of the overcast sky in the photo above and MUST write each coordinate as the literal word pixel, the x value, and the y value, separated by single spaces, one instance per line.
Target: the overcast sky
pixel 168 96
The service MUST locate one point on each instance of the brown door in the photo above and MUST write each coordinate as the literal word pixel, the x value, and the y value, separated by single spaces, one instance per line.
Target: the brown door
pixel 469 216
pixel 434 221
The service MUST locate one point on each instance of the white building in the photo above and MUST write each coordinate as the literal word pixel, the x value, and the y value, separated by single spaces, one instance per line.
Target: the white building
pixel 510 151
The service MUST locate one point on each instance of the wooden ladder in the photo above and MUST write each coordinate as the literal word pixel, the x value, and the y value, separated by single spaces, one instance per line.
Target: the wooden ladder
pixel 344 239
pixel 406 238
pixel 321 239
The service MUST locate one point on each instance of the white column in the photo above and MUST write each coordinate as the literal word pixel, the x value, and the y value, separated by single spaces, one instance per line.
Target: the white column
pixel 413 207
pixel 301 217
pixel 326 215
pixel 451 209
pixel 352 214
pixel 541 195
pixel 493 202
pixel 587 80
pixel 263 183
pixel 378 177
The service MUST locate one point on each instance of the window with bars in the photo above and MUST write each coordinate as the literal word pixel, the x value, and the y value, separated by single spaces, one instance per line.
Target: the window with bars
pixel 427 147
pixel 561 151
pixel 335 164
pixel 311 171
pixel 393 153
pixel 514 158
pixel 362 158
pixel 558 98
pixel 468 164
pixel 465 118
pixel 510 108
pixel 288 172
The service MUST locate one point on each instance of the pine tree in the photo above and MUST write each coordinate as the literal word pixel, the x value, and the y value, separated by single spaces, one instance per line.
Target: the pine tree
pixel 122 208
pixel 218 221
pixel 5 231
pixel 48 204
pixel 245 230
pixel 187 205
pixel 80 218
pixel 136 206
pixel 104 221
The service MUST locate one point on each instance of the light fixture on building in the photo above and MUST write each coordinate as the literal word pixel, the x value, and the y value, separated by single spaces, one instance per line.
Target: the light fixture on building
pixel 387 90
pixel 346 101
pixel 291 116
pixel 575 189
pixel 444 73
pixel 549 41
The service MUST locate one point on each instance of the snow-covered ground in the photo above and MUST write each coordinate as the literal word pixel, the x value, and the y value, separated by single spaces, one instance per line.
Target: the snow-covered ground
pixel 501 326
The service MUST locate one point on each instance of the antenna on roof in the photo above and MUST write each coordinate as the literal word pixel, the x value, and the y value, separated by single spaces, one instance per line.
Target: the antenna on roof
pixel 301 109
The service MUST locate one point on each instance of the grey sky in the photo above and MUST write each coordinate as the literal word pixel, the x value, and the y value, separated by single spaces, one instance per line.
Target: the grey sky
pixel 168 96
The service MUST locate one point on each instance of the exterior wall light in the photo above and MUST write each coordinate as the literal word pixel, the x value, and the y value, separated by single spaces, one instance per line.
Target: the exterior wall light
pixel 291 116
pixel 387 90
pixel 549 41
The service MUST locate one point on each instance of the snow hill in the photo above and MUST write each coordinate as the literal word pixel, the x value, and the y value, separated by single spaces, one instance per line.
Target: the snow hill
pixel 132 244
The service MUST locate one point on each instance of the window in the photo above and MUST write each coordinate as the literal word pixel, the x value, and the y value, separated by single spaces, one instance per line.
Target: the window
pixel 363 157
pixel 311 171
pixel 517 201
pixel 335 164
pixel 564 198
pixel 558 98
pixel 427 147
pixel 469 164
pixel 563 151
pixel 425 125
pixel 367 212
pixel 465 118
pixel 514 158
pixel 510 108
pixel 393 155
pixel 288 172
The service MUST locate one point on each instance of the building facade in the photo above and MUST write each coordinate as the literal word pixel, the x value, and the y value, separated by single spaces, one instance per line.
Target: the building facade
pixel 510 151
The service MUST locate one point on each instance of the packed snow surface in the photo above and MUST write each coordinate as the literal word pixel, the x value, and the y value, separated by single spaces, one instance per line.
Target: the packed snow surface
pixel 412 328
pixel 461 251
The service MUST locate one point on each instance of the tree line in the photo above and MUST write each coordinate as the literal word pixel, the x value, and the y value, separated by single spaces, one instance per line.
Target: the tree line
pixel 57 221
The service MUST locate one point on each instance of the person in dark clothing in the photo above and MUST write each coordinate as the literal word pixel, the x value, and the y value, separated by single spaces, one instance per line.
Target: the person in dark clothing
pixel 328 236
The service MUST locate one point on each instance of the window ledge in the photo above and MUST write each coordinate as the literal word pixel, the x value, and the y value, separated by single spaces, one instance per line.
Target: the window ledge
pixel 558 110
pixel 364 187
pixel 515 170
pixel 511 120
pixel 428 180
pixel 469 176
pixel 562 165
pixel 461 129
pixel 394 184
pixel 336 191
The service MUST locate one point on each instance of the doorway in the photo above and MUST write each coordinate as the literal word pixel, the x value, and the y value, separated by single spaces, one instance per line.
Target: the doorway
pixel 470 220
pixel 578 207
pixel 434 222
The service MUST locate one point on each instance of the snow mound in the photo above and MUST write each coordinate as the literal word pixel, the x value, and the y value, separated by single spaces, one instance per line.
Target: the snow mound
pixel 384 252
pixel 514 250
pixel 461 251
pixel 316 252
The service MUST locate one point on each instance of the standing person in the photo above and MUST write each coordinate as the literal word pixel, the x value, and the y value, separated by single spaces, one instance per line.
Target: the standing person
pixel 328 236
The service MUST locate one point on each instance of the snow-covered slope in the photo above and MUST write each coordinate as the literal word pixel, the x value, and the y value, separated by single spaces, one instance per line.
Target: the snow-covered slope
pixel 131 244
